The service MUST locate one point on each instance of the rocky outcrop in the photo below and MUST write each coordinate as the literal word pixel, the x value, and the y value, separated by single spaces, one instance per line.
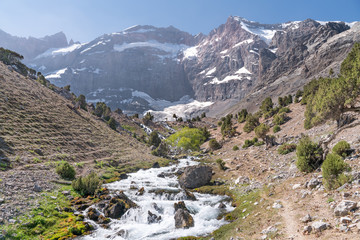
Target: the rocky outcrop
pixel 344 208
pixel 195 176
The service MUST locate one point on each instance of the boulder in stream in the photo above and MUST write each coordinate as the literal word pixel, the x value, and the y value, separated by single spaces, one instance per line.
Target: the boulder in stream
pixel 183 219
pixel 195 176
pixel 118 206
pixel 153 218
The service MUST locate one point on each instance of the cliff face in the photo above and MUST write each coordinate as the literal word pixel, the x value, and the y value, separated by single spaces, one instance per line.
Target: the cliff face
pixel 144 67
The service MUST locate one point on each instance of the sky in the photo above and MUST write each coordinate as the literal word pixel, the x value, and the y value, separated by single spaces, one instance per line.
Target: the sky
pixel 84 20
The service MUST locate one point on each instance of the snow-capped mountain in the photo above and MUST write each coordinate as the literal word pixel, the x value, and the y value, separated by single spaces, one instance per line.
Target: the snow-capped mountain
pixel 240 62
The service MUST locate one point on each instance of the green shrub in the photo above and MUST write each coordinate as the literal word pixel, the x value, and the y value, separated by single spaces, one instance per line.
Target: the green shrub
pixel 286 148
pixel 251 123
pixel 227 128
pixel 341 148
pixel 82 101
pixel 262 130
pixel 187 139
pixel 284 110
pixel 214 145
pixel 65 170
pixel 309 155
pixel 266 105
pixel 279 118
pixel 276 128
pixel 235 148
pixel 332 171
pixel 87 185
pixel 154 139
pixel 221 164
pixel 252 142
pixel 242 115
pixel 112 123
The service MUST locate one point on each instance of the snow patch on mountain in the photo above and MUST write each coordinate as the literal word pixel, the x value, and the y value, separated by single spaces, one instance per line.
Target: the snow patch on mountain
pixel 247 41
pixel 56 74
pixel 172 49
pixel 59 51
pixel 183 110
pixel 243 70
pixel 211 71
pixel 264 34
pixel 190 53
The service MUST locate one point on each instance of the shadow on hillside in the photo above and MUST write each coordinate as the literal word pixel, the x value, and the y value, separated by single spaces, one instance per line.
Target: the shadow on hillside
pixel 4 150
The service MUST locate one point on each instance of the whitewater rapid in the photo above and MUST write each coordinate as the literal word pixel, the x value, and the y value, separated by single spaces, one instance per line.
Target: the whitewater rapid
pixel 134 223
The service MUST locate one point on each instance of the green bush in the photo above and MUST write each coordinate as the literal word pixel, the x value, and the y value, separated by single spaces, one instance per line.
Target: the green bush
pixel 235 148
pixel 262 130
pixel 112 123
pixel 341 148
pixel 154 139
pixel 242 115
pixel 284 110
pixel 221 164
pixel 279 118
pixel 332 171
pixel 252 142
pixel 87 185
pixel 187 139
pixel 251 123
pixel 309 155
pixel 276 128
pixel 266 105
pixel 65 170
pixel 214 145
pixel 286 148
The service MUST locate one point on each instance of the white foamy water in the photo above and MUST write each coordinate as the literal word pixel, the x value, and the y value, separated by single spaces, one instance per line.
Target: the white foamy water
pixel 134 222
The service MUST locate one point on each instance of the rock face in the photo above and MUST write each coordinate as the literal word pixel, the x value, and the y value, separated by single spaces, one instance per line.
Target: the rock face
pixel 195 176
pixel 344 208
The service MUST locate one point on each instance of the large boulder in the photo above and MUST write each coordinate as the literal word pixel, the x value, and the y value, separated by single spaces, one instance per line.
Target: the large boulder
pixel 183 219
pixel 195 176
pixel 118 205
pixel 344 207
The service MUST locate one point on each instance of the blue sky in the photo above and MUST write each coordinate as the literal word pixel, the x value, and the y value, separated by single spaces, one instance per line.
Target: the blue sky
pixel 84 20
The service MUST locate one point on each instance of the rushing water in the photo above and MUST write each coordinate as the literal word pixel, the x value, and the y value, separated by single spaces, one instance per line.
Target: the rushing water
pixel 134 222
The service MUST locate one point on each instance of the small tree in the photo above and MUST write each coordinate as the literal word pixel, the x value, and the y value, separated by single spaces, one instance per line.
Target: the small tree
pixel 203 115
pixel 227 127
pixel 174 116
pixel 332 170
pixel 112 123
pixel 242 115
pixel 262 130
pixel 82 101
pixel 148 118
pixel 309 155
pixel 280 118
pixel 154 139
pixel 251 123
pixel 266 105
pixel 67 88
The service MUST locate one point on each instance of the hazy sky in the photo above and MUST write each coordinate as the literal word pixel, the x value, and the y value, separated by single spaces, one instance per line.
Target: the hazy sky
pixel 84 20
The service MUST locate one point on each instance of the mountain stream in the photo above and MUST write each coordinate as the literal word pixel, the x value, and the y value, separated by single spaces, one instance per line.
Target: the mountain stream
pixel 134 223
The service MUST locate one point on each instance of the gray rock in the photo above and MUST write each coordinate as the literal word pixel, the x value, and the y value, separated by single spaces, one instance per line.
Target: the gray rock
pixel 37 188
pixel 277 205
pixel 319 226
pixel 307 229
pixel 313 183
pixel 269 230
pixel 195 176
pixel 183 219
pixel 307 218
pixel 344 207
pixel 153 218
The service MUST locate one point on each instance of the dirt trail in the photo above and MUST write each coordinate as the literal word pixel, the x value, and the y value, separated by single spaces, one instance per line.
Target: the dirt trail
pixel 290 220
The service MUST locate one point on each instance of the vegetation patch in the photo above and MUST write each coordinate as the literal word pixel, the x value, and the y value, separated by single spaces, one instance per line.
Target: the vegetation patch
pixel 188 139
pixel 48 220
pixel 286 148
